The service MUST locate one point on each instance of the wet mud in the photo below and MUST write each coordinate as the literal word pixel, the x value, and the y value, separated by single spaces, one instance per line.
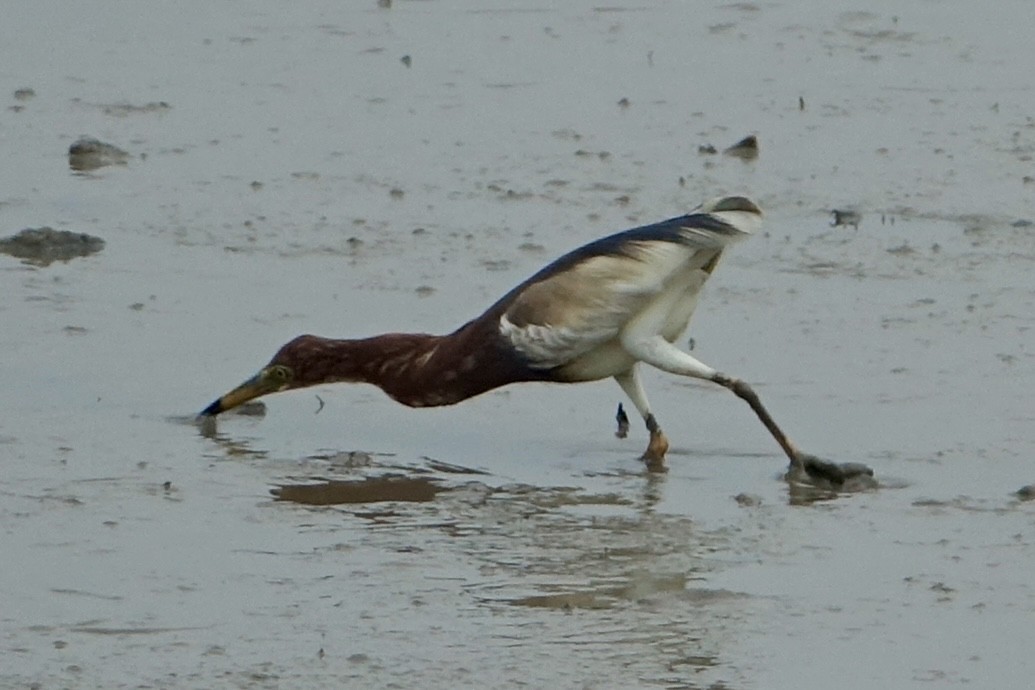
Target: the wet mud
pixel 353 170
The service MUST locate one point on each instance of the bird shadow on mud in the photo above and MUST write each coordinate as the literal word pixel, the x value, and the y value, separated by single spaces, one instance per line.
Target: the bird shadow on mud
pixel 813 481
pixel 342 477
pixel 357 477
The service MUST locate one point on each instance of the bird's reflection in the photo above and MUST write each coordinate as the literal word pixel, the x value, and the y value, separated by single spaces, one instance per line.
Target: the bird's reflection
pixel 233 448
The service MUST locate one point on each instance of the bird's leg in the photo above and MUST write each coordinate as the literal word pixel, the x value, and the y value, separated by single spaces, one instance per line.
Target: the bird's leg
pixel 623 422
pixel 654 456
pixel 658 352
pixel 834 473
pixel 743 391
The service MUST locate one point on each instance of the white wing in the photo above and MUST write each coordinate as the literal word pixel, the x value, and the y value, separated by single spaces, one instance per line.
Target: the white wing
pixel 577 307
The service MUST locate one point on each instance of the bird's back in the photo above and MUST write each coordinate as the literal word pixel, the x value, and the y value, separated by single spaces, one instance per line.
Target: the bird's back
pixel 568 316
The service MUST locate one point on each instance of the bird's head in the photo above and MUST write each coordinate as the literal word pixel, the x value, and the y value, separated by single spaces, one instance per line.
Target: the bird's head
pixel 292 367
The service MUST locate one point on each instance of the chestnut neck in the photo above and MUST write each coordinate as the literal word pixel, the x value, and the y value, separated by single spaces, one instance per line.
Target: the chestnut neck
pixel 416 369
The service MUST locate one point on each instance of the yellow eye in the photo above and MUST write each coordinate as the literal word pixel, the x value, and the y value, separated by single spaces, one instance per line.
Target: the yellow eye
pixel 279 374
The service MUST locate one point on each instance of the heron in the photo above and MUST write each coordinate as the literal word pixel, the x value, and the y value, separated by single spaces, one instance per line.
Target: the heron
pixel 597 312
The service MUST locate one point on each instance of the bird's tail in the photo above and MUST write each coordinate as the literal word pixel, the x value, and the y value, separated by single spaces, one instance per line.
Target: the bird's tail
pixel 738 212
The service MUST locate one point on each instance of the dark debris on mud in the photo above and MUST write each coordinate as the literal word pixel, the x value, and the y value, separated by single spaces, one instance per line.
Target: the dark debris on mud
pixel 845 218
pixel 746 149
pixel 87 153
pixel 1026 493
pixel 43 246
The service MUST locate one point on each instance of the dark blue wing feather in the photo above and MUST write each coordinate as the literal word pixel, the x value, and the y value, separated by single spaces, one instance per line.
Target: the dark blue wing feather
pixel 623 243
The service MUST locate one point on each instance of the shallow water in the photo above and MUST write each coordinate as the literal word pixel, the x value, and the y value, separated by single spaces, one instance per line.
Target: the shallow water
pixel 289 173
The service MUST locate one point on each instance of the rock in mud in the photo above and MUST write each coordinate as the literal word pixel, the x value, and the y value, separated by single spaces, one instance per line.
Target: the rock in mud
pixel 748 500
pixel 845 217
pixel 87 153
pixel 43 246
pixel 1025 493
pixel 746 149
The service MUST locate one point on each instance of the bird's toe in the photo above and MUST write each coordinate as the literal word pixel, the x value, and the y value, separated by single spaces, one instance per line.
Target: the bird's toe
pixel 654 456
pixel 655 463
pixel 834 473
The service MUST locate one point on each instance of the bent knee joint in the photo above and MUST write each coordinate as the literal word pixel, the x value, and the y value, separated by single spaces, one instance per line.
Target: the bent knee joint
pixel 637 346
pixel 739 387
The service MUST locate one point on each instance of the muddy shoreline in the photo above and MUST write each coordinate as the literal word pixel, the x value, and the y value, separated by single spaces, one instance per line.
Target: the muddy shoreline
pixel 290 172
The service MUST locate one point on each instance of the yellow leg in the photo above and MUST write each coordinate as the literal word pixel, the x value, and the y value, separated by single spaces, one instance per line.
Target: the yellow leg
pixel 654 456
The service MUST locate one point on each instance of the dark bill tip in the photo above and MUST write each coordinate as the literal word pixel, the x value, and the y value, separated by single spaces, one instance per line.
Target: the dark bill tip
pixel 212 410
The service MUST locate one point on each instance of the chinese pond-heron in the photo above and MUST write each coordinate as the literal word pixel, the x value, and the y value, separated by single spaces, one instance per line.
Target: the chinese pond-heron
pixel 594 313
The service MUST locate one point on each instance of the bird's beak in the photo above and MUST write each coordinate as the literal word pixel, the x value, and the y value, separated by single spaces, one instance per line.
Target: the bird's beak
pixel 256 386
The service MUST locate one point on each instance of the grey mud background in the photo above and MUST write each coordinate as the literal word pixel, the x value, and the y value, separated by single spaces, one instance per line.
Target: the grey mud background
pixel 347 169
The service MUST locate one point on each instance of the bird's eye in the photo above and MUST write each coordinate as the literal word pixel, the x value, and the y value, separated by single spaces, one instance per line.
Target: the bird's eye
pixel 279 373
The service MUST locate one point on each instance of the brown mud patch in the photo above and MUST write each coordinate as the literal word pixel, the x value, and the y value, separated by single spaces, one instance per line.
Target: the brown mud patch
pixel 368 490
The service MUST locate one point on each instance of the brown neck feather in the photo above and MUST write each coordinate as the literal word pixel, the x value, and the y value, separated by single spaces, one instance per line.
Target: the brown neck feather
pixel 416 369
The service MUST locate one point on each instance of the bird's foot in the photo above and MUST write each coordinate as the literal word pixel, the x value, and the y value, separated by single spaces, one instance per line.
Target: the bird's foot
pixel 654 456
pixel 623 422
pixel 655 463
pixel 832 473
